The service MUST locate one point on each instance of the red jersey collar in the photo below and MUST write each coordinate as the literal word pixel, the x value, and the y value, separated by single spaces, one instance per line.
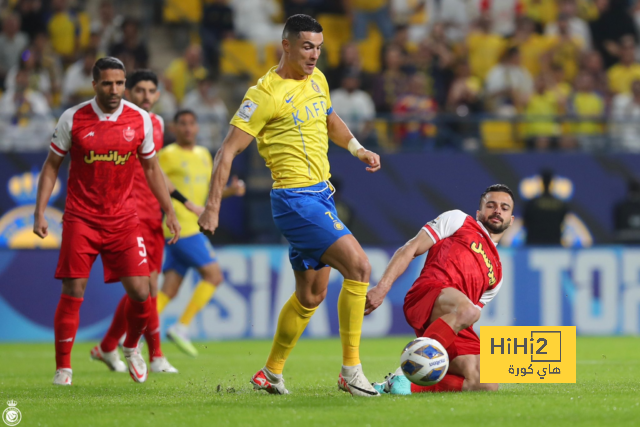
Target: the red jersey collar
pixel 106 117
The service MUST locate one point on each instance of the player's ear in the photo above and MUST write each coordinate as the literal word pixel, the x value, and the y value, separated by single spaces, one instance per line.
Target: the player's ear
pixel 286 45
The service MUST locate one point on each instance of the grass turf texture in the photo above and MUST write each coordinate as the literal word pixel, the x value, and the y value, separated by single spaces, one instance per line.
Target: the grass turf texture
pixel 214 390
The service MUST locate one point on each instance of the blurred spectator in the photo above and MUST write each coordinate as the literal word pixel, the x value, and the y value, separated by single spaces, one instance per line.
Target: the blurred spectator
pixel 412 111
pixel 483 48
pixel 131 45
pixel 25 117
pixel 502 13
pixel 544 215
pixel 541 128
pixel 32 17
pixel 557 84
pixel 400 40
pixel 435 58
pixel 592 64
pixel 62 28
pixel 626 215
pixel 253 20
pixel 350 63
pixel 364 12
pixel 578 29
pixel 613 23
pixel 391 83
pixel 83 25
pixel 565 49
pixel 181 75
pixel 464 99
pixel 217 25
pixel 508 84
pixel 532 45
pixel 12 43
pixel 625 119
pixel 587 108
pixel 39 77
pixel 627 70
pixel 305 7
pixel 213 115
pixel 356 108
pixel 77 85
pixel 456 15
pixel 107 27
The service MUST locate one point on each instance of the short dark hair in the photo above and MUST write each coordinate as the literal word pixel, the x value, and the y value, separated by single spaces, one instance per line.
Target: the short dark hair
pixel 299 23
pixel 501 188
pixel 184 112
pixel 141 76
pixel 106 63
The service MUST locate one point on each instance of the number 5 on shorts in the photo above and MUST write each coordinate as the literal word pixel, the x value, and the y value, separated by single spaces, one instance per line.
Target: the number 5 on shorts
pixel 143 252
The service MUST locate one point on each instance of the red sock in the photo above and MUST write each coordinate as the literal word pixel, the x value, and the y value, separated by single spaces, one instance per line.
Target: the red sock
pixel 65 326
pixel 152 334
pixel 444 334
pixel 450 382
pixel 137 314
pixel 117 329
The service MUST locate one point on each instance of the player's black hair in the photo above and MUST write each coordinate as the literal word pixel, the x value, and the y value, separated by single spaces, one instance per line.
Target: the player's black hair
pixel 106 63
pixel 141 76
pixel 299 23
pixel 501 188
pixel 183 112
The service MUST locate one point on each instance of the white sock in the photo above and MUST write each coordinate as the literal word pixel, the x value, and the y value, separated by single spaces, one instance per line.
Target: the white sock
pixel 349 370
pixel 275 378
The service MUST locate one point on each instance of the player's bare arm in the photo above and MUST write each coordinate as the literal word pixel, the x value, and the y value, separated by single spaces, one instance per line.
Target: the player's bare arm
pixel 340 134
pixel 158 187
pixel 46 182
pixel 235 143
pixel 415 247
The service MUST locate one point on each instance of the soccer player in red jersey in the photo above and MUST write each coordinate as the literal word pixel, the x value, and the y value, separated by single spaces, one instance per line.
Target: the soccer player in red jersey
pixel 461 275
pixel 104 137
pixel 142 90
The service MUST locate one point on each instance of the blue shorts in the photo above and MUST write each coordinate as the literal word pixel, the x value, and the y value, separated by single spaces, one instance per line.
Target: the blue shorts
pixel 188 252
pixel 308 219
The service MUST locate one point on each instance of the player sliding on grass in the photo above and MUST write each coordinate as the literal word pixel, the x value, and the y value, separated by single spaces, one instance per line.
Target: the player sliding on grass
pixel 289 113
pixel 104 137
pixel 461 275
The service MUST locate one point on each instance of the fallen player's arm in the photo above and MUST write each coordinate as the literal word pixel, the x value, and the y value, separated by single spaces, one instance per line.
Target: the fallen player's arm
pixel 158 186
pixel 46 182
pixel 340 134
pixel 235 143
pixel 398 265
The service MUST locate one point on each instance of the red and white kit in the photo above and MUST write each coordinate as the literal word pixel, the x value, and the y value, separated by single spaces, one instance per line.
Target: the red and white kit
pixel 101 214
pixel 463 257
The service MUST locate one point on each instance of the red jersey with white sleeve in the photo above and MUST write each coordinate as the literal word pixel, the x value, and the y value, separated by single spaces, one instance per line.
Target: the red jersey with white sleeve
pixel 463 257
pixel 147 204
pixel 103 149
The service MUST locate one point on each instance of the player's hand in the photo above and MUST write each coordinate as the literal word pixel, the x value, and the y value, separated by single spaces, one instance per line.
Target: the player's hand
pixel 174 227
pixel 40 226
pixel 194 208
pixel 370 158
pixel 375 296
pixel 208 222
pixel 237 187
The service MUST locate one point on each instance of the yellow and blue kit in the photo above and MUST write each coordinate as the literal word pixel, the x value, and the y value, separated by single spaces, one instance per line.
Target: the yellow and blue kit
pixel 288 118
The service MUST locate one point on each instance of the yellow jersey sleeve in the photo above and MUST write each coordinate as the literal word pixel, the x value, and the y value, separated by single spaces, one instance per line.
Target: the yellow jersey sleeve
pixel 257 109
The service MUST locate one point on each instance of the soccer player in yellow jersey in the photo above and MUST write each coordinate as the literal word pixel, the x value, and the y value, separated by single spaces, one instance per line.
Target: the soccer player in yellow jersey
pixel 289 113
pixel 188 168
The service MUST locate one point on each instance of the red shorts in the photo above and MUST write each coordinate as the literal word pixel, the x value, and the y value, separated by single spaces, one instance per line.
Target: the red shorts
pixel 418 305
pixel 123 252
pixel 154 241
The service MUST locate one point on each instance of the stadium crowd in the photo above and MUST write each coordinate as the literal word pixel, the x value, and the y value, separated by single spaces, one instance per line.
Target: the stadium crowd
pixel 409 74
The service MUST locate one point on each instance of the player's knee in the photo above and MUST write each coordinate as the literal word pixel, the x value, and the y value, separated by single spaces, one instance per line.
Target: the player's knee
pixel 212 276
pixel 311 300
pixel 467 315
pixel 360 269
pixel 73 288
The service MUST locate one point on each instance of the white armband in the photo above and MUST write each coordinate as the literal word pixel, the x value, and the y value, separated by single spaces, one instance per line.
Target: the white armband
pixel 354 146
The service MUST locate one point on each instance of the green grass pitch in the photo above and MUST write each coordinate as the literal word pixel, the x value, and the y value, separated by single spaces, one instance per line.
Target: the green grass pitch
pixel 214 390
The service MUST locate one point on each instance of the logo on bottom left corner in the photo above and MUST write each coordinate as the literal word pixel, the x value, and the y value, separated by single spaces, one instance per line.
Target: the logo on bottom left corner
pixel 12 415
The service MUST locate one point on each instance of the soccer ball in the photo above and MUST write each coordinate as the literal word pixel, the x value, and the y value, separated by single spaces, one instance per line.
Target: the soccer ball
pixel 424 361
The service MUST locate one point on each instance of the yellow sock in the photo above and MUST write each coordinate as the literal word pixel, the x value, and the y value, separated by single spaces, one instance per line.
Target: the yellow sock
pixel 201 296
pixel 292 321
pixel 350 315
pixel 163 300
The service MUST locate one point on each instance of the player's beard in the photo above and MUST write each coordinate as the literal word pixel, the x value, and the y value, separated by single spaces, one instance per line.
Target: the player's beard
pixel 492 227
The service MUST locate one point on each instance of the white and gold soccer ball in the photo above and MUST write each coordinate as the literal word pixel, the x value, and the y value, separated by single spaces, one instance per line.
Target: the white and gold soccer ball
pixel 424 361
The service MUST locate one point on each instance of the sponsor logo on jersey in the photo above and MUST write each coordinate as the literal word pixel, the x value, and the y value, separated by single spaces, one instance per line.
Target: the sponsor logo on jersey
pixel 92 133
pixel 315 86
pixel 129 134
pixel 112 156
pixel 477 248
pixel 247 109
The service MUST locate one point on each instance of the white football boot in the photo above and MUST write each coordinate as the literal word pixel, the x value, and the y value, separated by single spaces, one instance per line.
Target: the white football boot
pixel 269 382
pixel 135 362
pixel 62 377
pixel 352 380
pixel 110 358
pixel 161 364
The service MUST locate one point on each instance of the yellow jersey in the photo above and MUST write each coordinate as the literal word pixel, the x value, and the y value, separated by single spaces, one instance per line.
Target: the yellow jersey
pixel 189 170
pixel 620 77
pixel 288 118
pixel 484 52
pixel 588 104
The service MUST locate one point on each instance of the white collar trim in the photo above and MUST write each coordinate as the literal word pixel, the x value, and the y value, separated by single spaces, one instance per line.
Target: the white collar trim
pixel 106 117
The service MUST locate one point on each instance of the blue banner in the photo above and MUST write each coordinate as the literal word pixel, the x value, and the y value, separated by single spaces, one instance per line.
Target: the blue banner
pixel 596 289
